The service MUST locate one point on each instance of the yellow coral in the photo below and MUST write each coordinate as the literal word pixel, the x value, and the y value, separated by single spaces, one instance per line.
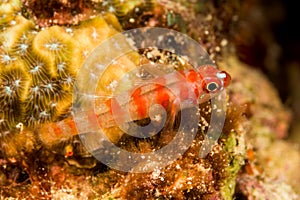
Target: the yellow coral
pixel 47 62
pixel 54 46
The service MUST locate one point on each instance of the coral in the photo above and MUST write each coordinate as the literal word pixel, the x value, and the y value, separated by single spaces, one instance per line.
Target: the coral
pixel 47 13
pixel 60 12
pixel 272 159
pixel 39 66
pixel 265 189
pixel 190 177
pixel 13 94
pixel 268 121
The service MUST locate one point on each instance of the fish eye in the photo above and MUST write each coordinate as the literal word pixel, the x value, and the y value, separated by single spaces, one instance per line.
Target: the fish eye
pixel 212 86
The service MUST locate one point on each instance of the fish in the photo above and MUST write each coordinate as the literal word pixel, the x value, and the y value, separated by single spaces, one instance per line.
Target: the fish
pixel 149 98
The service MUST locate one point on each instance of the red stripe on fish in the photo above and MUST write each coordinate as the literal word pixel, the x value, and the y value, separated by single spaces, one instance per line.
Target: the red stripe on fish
pixel 162 96
pixel 56 129
pixel 196 92
pixel 140 102
pixel 192 76
pixel 115 110
pixel 184 91
pixel 92 117
pixel 71 126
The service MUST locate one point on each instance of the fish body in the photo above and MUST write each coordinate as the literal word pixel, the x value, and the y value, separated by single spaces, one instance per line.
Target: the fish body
pixel 171 92
pixel 185 87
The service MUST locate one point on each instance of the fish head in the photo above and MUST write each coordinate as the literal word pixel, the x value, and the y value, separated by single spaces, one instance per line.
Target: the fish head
pixel 212 81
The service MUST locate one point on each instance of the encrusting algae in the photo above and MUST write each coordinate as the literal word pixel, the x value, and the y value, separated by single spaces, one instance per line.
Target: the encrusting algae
pixel 42 48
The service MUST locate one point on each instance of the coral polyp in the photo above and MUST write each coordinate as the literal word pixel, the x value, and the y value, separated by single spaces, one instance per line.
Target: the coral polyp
pixel 13 91
pixel 54 46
